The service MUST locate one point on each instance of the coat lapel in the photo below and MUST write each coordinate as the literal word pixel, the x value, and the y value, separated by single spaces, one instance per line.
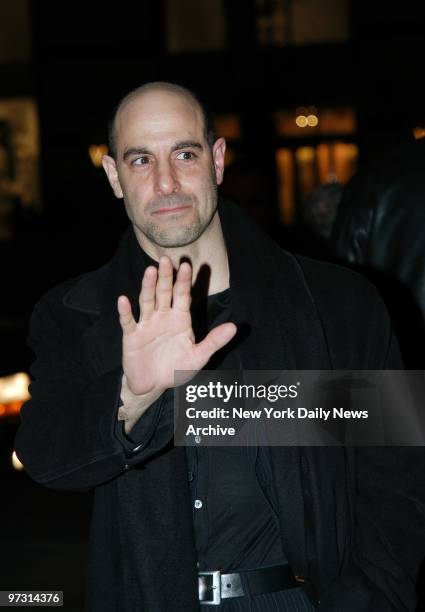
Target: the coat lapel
pixel 271 299
pixel 272 302
pixel 103 338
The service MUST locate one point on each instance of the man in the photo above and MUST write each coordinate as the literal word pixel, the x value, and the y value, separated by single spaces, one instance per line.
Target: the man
pixel 383 206
pixel 288 528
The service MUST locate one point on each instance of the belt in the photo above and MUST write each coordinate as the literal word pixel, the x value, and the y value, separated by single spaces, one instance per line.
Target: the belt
pixel 215 586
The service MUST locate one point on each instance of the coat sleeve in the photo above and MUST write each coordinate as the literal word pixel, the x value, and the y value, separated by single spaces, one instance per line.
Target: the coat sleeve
pixel 68 438
pixel 387 490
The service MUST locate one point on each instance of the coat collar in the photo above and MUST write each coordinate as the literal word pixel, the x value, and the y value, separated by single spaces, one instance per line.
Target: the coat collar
pixel 270 296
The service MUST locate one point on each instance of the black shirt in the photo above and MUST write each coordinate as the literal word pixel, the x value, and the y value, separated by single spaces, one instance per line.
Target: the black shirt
pixel 235 523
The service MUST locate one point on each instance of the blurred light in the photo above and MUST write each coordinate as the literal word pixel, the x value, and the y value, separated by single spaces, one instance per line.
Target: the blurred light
pixel 340 121
pixel 13 393
pixel 229 156
pixel 96 152
pixel 14 387
pixel 16 463
pixel 305 154
pixel 286 184
pixel 331 178
pixel 312 120
pixel 418 132
pixel 11 409
pixel 228 126
pixel 301 121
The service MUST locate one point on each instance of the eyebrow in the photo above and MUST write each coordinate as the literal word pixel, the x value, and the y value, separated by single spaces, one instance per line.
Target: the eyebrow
pixel 187 144
pixel 181 144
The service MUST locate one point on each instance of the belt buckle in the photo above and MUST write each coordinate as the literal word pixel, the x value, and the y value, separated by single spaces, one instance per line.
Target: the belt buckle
pixel 209 586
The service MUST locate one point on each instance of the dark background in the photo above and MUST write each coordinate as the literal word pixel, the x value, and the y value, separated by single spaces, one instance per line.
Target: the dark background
pixel 76 60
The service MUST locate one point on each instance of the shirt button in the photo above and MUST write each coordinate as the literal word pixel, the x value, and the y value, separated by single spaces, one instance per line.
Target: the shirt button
pixel 198 503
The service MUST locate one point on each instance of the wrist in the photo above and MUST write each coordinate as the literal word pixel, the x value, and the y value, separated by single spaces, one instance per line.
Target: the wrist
pixel 134 406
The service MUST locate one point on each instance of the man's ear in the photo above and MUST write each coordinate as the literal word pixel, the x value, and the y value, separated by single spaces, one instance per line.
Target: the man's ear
pixel 110 168
pixel 219 149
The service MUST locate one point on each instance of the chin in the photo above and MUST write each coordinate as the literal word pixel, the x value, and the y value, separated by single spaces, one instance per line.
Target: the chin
pixel 173 242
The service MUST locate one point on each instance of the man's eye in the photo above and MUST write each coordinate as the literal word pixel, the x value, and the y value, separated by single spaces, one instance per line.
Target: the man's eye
pixel 140 161
pixel 186 155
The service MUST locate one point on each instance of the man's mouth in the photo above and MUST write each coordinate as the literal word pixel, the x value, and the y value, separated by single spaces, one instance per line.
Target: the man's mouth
pixel 171 210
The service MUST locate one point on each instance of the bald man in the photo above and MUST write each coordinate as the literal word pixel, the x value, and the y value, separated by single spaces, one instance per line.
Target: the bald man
pixel 173 528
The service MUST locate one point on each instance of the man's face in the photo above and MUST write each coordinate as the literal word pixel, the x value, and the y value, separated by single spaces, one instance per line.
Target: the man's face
pixel 165 169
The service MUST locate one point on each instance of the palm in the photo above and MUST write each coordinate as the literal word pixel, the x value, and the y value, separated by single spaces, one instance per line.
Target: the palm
pixel 163 340
pixel 166 339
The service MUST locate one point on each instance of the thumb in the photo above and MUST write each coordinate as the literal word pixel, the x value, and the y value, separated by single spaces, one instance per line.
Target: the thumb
pixel 214 341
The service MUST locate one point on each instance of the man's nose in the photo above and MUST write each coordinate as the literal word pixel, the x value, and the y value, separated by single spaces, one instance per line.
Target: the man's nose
pixel 165 179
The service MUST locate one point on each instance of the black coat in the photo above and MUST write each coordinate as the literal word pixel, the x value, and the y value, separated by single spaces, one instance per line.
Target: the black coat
pixel 380 227
pixel 349 517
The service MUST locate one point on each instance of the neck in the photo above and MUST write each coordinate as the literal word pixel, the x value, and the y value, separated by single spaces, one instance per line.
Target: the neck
pixel 208 255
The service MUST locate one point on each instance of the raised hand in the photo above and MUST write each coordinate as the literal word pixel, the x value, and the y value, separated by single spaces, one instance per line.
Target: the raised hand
pixel 163 341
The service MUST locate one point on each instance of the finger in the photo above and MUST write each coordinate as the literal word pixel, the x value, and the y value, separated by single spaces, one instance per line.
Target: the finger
pixel 214 341
pixel 164 285
pixel 182 288
pixel 147 293
pixel 127 321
